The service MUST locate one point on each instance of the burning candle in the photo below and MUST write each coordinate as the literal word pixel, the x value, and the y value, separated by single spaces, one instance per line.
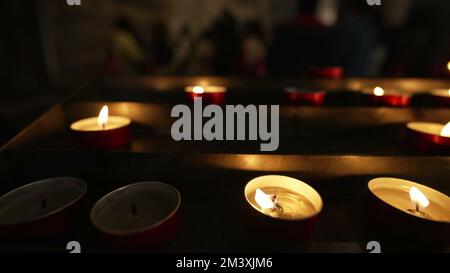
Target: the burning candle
pixel 440 97
pixel 102 132
pixel 141 215
pixel 410 210
pixel 40 210
pixel 427 136
pixel 209 93
pixel 385 97
pixel 304 96
pixel 284 207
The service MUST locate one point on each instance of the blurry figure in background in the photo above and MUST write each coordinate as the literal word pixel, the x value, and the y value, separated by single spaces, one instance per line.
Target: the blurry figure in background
pixel 420 48
pixel 202 59
pixel 160 52
pixel 359 37
pixel 181 53
pixel 226 40
pixel 253 60
pixel 126 56
pixel 306 16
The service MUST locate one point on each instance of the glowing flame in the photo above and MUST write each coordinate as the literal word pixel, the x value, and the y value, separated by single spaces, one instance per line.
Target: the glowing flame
pixel 198 89
pixel 378 91
pixel 445 132
pixel 418 198
pixel 264 200
pixel 103 116
pixel 448 65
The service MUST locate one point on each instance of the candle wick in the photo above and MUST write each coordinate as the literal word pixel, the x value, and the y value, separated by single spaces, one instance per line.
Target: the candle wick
pixel 134 211
pixel 417 207
pixel 103 126
pixel 43 204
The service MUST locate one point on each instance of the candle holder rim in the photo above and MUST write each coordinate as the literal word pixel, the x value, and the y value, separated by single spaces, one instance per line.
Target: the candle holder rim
pixel 373 181
pixel 315 214
pixel 114 232
pixel 80 181
pixel 409 125
pixel 439 92
pixel 127 119
pixel 222 89
pixel 397 92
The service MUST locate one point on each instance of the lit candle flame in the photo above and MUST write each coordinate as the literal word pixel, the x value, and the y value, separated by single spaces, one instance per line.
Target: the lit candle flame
pixel 448 65
pixel 264 200
pixel 418 199
pixel 445 132
pixel 378 91
pixel 103 117
pixel 198 89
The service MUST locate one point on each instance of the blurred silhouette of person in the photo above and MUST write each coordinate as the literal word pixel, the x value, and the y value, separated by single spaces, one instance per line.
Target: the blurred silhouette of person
pixel 203 56
pixel 359 37
pixel 306 15
pixel 126 56
pixel 253 60
pixel 160 52
pixel 226 39
pixel 182 48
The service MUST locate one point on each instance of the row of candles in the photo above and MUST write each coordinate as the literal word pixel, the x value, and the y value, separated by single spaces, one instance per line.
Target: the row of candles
pixel 146 214
pixel 373 96
pixel 105 132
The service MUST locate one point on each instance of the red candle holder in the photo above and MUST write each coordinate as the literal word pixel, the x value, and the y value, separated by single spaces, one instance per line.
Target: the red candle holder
pixel 144 215
pixel 440 97
pixel 428 137
pixel 389 97
pixel 103 132
pixel 291 219
pixel 210 94
pixel 41 210
pixel 305 97
pixel 396 217
pixel 331 72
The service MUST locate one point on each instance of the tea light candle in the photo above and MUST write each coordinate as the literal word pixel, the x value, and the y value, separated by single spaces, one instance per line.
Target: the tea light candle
pixel 332 72
pixel 429 136
pixel 305 96
pixel 41 210
pixel 411 209
pixel 141 215
pixel 440 97
pixel 385 97
pixel 102 132
pixel 283 197
pixel 286 208
pixel 209 93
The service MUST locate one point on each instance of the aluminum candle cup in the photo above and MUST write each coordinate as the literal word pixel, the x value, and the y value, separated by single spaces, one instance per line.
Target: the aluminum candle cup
pixel 138 216
pixel 385 97
pixel 304 96
pixel 440 97
pixel 429 137
pixel 102 132
pixel 331 72
pixel 281 210
pixel 408 211
pixel 41 210
pixel 210 94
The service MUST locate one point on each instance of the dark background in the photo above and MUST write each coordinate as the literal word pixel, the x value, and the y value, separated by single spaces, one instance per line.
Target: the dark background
pixel 48 47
